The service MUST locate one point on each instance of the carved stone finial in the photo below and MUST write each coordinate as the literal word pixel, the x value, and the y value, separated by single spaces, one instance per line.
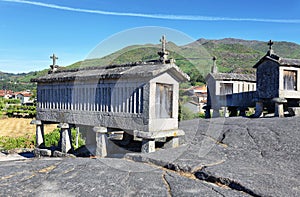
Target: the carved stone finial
pixel 163 53
pixel 53 66
pixel 214 68
pixel 270 43
pixel 163 43
pixel 54 58
pixel 270 51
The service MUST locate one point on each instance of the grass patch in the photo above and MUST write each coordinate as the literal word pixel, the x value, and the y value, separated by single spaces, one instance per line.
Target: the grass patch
pixel 8 143
pixel 51 139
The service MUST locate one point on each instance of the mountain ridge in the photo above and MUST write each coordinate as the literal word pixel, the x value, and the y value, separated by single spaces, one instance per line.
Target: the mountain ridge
pixel 233 55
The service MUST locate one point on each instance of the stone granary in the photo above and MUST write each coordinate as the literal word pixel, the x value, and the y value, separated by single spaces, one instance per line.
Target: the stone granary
pixel 231 91
pixel 140 99
pixel 278 84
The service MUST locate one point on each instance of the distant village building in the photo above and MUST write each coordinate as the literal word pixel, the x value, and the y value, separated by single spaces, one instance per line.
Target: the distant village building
pixel 198 95
pixel 278 84
pixel 7 94
pixel 201 93
pixel 231 91
pixel 139 98
pixel 25 97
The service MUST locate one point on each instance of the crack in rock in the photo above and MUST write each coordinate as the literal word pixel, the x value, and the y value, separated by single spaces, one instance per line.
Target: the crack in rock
pixel 262 153
pixel 167 184
pixel 217 141
pixel 209 177
pixel 218 192
pixel 222 138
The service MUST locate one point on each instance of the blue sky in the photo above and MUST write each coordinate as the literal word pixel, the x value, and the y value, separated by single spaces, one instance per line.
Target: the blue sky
pixel 30 31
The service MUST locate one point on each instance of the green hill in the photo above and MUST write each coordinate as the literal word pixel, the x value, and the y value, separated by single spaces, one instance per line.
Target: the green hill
pixel 12 81
pixel 241 55
pixel 233 55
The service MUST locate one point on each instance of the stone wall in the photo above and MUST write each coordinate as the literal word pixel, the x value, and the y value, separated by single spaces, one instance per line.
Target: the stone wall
pixel 267 76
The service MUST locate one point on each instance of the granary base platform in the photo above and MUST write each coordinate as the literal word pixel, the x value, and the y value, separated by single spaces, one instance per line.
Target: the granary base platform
pixel 103 144
pixel 148 144
pixel 99 142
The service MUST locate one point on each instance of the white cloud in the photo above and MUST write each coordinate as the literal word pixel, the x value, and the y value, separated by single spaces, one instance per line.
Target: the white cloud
pixel 155 16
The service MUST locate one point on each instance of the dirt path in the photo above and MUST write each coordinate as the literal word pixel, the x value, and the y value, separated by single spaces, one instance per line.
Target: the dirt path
pixel 15 127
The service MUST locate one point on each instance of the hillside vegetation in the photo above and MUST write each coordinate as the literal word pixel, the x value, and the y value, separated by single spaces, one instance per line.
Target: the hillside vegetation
pixel 233 55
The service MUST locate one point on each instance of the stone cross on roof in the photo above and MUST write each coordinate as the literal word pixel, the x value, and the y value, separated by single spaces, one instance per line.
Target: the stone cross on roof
pixel 270 52
pixel 163 53
pixel 54 58
pixel 53 66
pixel 163 43
pixel 214 68
pixel 270 43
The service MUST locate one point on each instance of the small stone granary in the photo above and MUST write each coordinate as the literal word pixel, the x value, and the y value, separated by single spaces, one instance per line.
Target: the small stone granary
pixel 231 91
pixel 278 83
pixel 139 98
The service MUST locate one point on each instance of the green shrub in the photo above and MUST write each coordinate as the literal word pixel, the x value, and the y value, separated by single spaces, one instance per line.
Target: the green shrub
pixel 12 101
pixel 2 103
pixel 52 138
pixel 21 110
pixel 199 115
pixel 8 143
pixel 186 114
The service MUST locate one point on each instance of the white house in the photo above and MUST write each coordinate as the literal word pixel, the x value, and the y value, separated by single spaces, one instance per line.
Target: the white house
pixel 25 97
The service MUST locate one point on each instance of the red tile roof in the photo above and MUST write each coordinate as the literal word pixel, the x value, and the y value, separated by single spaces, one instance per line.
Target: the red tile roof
pixel 26 94
pixel 202 88
pixel 6 92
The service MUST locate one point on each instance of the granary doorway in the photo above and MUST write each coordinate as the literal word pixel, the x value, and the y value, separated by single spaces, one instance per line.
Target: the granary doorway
pixel 163 101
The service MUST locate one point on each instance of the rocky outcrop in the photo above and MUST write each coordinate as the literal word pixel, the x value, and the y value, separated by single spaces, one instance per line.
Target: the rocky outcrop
pixel 222 157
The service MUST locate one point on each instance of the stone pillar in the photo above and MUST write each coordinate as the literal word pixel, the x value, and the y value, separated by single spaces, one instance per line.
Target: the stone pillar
pixel 148 146
pixel 39 139
pixel 175 142
pixel 101 141
pixel 207 112
pixel 216 113
pixel 65 136
pixel 226 112
pixel 258 109
pixel 279 111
